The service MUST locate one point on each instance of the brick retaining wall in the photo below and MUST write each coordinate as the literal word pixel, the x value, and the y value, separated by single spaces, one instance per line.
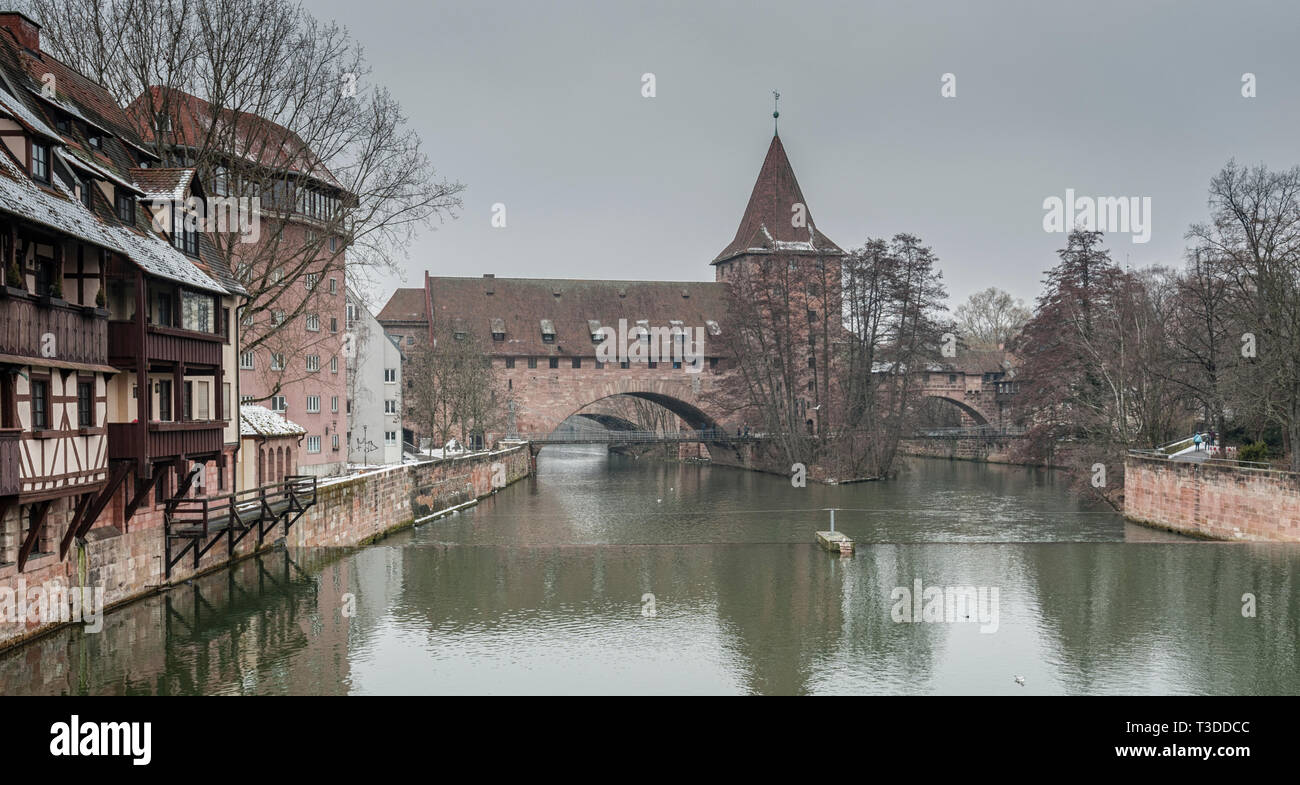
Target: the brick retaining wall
pixel 1220 501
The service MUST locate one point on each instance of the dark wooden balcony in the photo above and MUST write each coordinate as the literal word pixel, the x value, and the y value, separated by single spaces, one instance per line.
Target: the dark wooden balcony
pixel 162 344
pixel 165 440
pixel 10 464
pixel 78 332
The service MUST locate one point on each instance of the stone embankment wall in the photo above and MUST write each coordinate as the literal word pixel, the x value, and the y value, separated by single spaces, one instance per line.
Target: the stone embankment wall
pixel 1220 501
pixel 352 510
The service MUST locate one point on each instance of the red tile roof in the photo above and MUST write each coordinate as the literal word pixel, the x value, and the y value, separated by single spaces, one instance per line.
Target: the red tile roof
pixel 767 225
pixel 519 305
pixel 406 305
pixel 258 139
pixel 163 184
pixel 78 96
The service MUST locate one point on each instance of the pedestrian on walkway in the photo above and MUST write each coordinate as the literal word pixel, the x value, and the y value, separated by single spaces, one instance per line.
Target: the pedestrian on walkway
pixel 1197 440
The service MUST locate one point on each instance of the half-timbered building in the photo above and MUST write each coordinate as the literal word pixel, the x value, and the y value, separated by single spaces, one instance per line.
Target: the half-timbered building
pixel 117 340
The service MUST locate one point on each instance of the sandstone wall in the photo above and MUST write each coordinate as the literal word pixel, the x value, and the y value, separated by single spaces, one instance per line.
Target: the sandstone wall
pixel 1221 501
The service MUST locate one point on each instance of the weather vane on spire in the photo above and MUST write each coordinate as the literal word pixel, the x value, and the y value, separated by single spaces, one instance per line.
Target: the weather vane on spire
pixel 775 113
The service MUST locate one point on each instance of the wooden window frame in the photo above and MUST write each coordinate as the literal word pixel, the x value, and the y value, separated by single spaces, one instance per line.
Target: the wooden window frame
pixel 46 383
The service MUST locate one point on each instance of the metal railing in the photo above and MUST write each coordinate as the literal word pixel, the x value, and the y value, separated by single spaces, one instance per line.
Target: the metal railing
pixel 1256 465
pixel 971 432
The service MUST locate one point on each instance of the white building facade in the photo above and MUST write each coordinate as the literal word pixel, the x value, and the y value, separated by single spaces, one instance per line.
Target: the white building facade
pixel 374 369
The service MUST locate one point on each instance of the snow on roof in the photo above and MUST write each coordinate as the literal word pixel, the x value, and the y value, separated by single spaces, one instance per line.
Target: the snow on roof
pixel 20 196
pixel 163 185
pixel 260 421
pixel 16 109
pixel 70 108
pixel 158 257
pixel 75 159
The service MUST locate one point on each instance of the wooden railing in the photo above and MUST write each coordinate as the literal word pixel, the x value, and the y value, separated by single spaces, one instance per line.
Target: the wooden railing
pixel 77 334
pixel 196 516
pixel 10 463
pixel 204 521
pixel 166 344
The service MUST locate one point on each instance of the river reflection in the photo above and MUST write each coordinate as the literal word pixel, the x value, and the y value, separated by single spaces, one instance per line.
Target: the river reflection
pixel 609 575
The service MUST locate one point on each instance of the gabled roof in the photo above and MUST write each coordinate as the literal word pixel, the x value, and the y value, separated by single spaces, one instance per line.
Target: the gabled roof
pixel 528 307
pixel 163 185
pixel 260 421
pixel 257 139
pixel 768 223
pixel 406 305
pixel 15 109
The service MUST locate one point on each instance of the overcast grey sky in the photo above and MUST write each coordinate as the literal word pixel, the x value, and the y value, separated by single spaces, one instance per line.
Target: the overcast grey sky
pixel 538 105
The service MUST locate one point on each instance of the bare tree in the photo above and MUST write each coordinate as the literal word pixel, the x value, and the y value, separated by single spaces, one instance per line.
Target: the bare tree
pixel 1253 236
pixel 989 319
pixel 451 386
pixel 265 101
pixel 771 382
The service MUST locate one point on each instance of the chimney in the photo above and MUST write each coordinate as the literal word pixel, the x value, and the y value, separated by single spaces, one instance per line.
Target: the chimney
pixel 24 29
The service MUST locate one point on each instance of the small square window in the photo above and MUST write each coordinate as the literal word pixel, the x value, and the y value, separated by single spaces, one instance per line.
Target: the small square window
pixel 555 362
pixel 577 362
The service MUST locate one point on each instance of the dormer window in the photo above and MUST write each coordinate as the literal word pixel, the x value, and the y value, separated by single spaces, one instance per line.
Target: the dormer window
pixel 96 141
pixel 548 331
pixel 41 162
pixel 185 234
pixel 498 330
pixel 593 325
pixel 125 205
pixel 63 123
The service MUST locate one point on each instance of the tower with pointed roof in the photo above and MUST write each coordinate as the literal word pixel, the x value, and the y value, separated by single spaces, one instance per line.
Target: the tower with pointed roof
pixel 777 220
pixel 779 247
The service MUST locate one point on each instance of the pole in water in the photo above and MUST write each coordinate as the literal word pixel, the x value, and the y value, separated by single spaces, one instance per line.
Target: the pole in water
pixel 833 540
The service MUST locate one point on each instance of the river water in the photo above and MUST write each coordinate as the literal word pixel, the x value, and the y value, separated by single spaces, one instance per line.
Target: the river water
pixel 606 574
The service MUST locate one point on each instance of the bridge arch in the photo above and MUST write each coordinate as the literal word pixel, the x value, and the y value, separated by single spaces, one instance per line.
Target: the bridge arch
pixel 675 390
pixel 966 408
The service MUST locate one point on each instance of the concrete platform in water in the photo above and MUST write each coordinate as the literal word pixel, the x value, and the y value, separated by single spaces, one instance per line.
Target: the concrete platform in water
pixel 835 541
